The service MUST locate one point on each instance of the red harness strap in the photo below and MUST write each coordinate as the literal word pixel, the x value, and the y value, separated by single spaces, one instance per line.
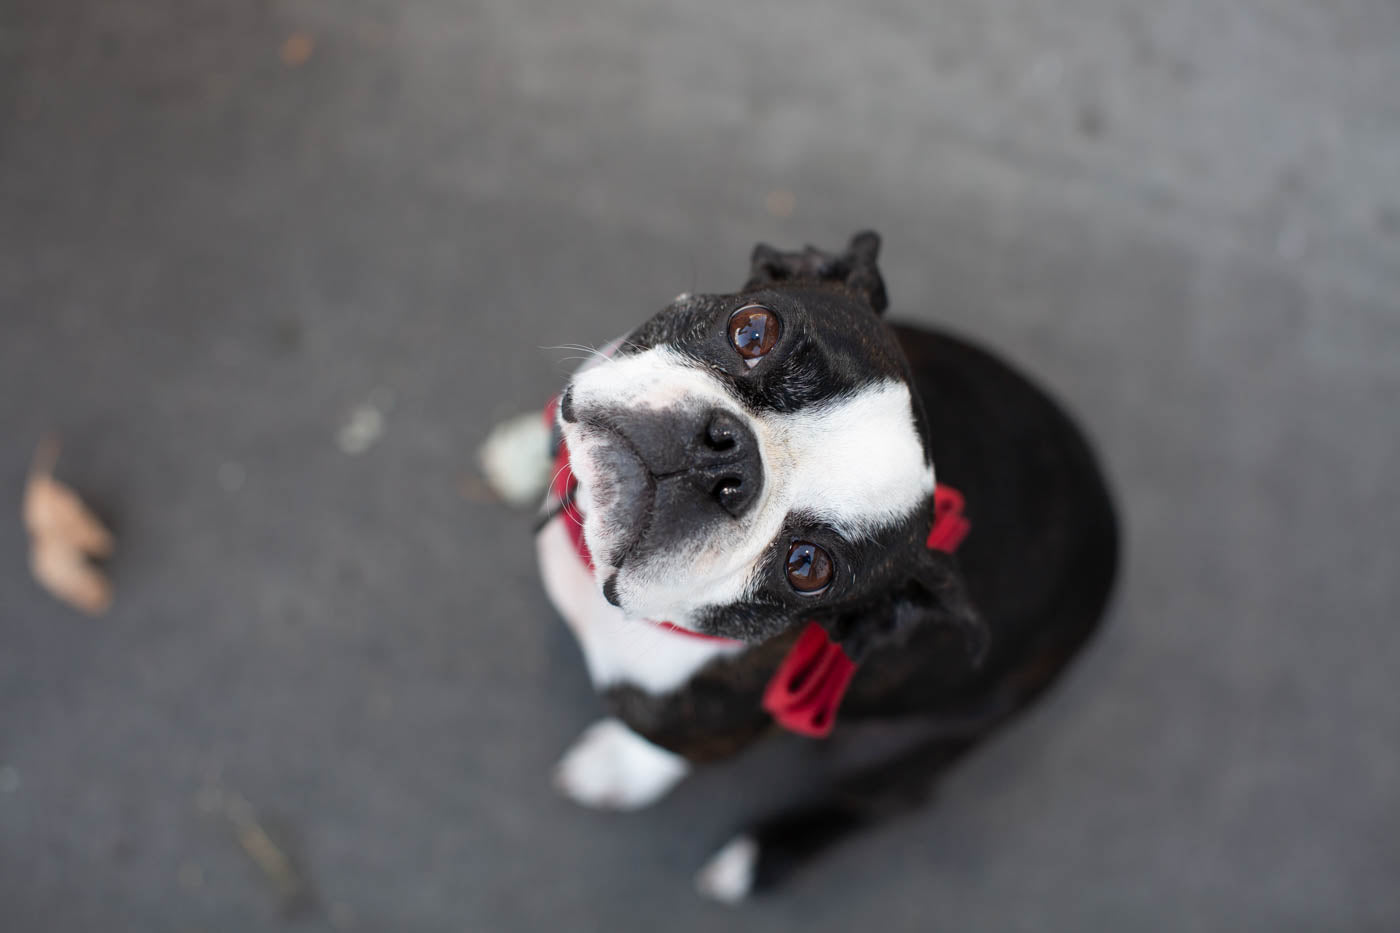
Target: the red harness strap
pixel 806 690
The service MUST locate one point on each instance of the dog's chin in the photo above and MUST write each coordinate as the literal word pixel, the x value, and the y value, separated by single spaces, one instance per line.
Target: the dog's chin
pixel 621 494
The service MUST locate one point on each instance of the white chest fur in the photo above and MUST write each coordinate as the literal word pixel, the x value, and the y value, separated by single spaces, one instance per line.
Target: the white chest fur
pixel 617 650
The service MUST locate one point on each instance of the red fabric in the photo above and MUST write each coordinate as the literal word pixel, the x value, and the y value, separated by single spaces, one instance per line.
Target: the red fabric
pixel 805 692
pixel 807 688
pixel 949 526
pixel 562 487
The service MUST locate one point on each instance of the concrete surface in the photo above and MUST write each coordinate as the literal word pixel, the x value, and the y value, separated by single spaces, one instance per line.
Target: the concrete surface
pixel 1182 216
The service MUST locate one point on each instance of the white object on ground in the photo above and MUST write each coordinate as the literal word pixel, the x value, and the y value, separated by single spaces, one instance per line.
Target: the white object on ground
pixel 361 430
pixel 515 459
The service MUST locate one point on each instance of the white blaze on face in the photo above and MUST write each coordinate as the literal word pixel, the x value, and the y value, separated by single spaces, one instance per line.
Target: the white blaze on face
pixel 855 463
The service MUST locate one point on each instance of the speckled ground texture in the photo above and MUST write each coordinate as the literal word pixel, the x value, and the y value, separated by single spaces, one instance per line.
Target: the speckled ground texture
pixel 1183 217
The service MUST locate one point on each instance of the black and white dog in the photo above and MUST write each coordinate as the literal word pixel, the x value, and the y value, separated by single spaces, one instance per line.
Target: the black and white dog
pixel 773 509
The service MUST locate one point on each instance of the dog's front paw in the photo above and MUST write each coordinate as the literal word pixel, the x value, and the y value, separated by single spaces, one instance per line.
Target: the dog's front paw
pixel 610 767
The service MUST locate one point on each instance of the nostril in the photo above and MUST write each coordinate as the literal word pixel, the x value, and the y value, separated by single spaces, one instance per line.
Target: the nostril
pixel 722 433
pixel 731 494
pixel 726 466
pixel 727 487
pixel 721 442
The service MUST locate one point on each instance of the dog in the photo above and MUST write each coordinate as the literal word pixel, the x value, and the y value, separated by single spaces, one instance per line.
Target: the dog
pixel 773 509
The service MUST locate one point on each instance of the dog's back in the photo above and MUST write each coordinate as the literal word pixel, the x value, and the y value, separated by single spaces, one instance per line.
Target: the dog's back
pixel 1041 557
pixel 1040 564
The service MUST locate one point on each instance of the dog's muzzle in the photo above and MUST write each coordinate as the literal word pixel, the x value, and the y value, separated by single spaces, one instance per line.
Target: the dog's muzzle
pixel 702 463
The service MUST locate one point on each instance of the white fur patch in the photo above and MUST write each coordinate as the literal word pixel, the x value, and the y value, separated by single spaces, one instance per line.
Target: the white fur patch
pixel 728 876
pixel 610 767
pixel 856 463
pixel 615 648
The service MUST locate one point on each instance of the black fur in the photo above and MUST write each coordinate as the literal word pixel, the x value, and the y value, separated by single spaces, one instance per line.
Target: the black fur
pixel 1038 564
pixel 854 270
pixel 959 642
pixel 832 346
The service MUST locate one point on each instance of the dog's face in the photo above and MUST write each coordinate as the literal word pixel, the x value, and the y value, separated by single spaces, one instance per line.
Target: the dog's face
pixel 749 460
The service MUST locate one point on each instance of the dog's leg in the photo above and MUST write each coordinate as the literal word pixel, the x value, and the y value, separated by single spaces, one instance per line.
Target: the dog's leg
pixel 768 851
pixel 610 767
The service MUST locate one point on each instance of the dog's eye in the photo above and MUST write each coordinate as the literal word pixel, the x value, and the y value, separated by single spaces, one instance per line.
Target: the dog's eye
pixel 753 330
pixel 808 568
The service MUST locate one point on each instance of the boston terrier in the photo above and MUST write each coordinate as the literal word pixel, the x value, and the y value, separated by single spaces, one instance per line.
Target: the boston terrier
pixel 772 509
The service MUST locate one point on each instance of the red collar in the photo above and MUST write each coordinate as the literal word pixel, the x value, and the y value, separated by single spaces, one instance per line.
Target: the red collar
pixel 805 691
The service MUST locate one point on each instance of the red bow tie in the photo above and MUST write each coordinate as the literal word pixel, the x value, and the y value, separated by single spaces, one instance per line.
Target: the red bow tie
pixel 806 690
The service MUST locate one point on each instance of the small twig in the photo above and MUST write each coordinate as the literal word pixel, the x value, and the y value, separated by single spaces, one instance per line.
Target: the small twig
pixel 45 456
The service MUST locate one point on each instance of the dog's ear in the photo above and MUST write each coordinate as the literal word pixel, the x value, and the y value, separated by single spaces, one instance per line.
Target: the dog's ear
pixel 855 268
pixel 934 594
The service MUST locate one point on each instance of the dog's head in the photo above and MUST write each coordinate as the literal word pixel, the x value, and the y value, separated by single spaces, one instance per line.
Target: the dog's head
pixel 751 460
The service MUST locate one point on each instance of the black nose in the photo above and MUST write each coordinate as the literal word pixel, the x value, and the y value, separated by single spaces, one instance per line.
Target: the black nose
pixel 700 458
pixel 729 467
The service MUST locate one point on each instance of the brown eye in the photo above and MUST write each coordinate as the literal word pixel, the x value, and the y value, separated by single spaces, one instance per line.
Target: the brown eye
pixel 808 568
pixel 753 330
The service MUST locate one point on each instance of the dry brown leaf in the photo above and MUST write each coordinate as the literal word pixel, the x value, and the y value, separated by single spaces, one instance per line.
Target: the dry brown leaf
pixel 52 510
pixel 64 534
pixel 297 49
pixel 780 202
pixel 65 572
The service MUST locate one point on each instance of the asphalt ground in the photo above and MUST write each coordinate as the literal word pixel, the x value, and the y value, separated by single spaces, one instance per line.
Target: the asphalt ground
pixel 330 691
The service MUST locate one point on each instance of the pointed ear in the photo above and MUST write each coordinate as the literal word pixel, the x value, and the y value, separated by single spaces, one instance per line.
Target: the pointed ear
pixel 855 268
pixel 934 594
pixel 864 275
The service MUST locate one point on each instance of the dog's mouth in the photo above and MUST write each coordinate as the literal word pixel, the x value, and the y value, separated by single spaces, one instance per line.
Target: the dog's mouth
pixel 621 493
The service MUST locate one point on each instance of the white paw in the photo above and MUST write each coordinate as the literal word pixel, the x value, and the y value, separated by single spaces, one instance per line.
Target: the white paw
pixel 728 876
pixel 515 459
pixel 610 767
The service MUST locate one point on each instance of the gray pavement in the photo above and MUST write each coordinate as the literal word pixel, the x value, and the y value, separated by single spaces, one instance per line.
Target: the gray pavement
pixel 1184 217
